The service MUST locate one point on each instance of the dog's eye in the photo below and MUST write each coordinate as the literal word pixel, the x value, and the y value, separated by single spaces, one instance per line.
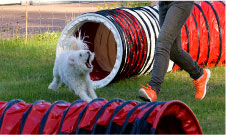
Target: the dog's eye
pixel 80 55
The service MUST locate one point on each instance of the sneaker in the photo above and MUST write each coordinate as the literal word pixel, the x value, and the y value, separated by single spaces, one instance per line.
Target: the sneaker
pixel 148 93
pixel 200 84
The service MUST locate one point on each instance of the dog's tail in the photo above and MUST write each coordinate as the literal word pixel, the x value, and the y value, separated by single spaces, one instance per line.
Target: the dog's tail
pixel 80 41
pixel 77 43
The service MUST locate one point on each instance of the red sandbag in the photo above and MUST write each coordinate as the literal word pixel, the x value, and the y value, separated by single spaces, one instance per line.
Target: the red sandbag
pixel 30 123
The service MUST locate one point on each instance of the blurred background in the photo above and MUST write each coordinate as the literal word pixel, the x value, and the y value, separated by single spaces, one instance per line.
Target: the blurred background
pixel 23 18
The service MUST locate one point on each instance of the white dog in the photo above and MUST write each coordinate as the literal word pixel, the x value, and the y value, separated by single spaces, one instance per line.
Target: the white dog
pixel 73 67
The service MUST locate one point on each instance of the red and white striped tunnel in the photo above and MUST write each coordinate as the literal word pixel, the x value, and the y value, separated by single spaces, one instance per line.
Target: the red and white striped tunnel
pixel 124 39
pixel 99 116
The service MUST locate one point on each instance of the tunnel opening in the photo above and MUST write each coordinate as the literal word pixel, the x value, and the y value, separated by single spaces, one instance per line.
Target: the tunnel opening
pixel 100 40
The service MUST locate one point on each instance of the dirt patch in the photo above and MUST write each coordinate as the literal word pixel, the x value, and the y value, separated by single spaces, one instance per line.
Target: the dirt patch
pixel 41 18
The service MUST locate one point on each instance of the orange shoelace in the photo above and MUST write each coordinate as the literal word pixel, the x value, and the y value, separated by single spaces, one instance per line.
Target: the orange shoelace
pixel 148 87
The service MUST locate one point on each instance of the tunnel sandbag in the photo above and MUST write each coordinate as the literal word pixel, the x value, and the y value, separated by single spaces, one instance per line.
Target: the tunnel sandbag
pixel 99 116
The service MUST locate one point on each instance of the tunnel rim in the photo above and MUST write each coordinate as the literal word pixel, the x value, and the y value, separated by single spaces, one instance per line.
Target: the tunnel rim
pixel 75 24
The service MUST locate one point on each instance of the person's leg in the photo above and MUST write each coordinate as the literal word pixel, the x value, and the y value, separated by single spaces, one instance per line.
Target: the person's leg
pixel 146 93
pixel 184 60
pixel 172 18
pixel 175 19
pixel 163 8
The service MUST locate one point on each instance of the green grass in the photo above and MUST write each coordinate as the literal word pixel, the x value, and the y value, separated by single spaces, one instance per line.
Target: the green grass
pixel 26 71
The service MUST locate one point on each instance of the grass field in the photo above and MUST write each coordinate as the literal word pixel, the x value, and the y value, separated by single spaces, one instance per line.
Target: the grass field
pixel 26 71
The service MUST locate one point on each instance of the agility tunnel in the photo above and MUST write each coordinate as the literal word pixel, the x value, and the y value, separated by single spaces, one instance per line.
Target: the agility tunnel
pixel 203 35
pixel 99 116
pixel 124 39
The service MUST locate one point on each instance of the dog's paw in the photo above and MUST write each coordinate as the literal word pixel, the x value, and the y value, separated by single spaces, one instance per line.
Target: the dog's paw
pixel 52 87
pixel 87 99
pixel 94 96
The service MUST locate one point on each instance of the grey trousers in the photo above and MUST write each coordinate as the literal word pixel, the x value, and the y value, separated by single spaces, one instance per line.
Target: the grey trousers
pixel 173 16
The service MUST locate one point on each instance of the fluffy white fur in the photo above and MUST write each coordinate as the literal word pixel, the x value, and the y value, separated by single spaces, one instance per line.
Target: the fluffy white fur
pixel 72 67
pixel 73 43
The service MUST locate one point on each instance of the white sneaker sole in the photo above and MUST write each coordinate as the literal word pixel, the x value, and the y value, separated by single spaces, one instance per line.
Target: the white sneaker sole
pixel 208 77
pixel 143 94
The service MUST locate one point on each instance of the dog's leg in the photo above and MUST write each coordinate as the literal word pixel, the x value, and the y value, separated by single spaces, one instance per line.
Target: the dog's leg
pixel 55 84
pixel 79 89
pixel 83 95
pixel 91 91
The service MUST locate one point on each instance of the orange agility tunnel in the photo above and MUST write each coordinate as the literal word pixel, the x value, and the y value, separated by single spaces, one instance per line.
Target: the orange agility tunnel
pixel 99 116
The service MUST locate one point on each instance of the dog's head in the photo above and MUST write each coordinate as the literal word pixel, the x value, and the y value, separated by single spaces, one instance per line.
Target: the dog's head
pixel 82 60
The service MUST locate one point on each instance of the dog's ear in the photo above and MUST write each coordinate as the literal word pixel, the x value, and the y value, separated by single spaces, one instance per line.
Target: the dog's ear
pixel 71 60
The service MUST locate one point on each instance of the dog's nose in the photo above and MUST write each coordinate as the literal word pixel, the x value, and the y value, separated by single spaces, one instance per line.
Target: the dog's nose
pixel 89 52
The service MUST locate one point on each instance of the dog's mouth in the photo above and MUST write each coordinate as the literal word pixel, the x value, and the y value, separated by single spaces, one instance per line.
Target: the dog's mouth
pixel 88 62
